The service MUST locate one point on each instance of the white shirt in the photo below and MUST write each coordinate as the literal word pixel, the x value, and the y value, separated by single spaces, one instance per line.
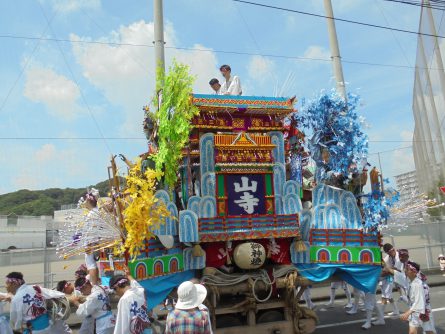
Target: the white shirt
pixel 416 296
pixel 97 305
pixel 393 262
pixel 232 87
pixel 132 314
pixel 27 304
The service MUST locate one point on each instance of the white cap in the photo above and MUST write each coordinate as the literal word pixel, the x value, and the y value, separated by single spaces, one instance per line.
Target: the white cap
pixel 440 255
pixel 190 295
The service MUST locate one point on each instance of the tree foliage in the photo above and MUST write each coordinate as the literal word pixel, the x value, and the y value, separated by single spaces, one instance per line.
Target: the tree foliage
pixel 43 202
pixel 173 118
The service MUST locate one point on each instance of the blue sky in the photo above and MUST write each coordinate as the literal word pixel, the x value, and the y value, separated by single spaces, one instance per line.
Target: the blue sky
pixel 72 89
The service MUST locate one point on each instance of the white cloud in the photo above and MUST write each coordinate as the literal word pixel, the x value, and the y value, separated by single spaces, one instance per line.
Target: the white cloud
pixel 402 161
pixel 56 92
pixel 67 6
pixel 125 74
pixel 406 135
pixel 260 68
pixel 46 153
pixel 317 52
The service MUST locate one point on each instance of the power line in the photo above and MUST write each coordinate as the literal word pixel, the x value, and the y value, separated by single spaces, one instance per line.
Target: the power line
pixel 337 19
pixel 240 53
pixel 440 5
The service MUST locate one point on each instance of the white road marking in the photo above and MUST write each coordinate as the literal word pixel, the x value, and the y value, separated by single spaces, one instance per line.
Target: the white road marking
pixel 363 320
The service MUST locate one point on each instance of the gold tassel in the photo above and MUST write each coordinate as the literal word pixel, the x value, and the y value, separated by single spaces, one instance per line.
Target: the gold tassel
pixel 300 246
pixel 197 251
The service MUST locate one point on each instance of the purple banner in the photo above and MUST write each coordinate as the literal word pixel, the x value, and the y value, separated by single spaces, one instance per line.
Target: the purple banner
pixel 245 194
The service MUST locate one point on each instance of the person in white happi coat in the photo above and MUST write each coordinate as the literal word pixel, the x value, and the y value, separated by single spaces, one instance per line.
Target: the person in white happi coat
pixel 132 314
pixel 232 84
pixel 391 260
pixel 419 313
pixel 97 303
pixel 5 327
pixel 87 326
pixel 28 307
pixel 370 305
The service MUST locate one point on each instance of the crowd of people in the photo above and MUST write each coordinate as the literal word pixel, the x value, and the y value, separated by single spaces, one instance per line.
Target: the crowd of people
pixel 398 274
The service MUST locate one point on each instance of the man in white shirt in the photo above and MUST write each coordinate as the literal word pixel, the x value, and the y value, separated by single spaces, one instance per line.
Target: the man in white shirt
pixel 96 305
pixel 232 84
pixel 132 314
pixel 419 313
pixel 28 306
pixel 216 86
pixel 391 260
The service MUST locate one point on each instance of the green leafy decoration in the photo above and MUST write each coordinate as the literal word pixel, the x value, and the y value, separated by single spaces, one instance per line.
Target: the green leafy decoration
pixel 173 117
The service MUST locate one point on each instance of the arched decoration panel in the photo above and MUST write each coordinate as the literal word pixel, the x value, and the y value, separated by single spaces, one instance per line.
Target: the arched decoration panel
pixel 291 204
pixel 277 139
pixel 207 208
pixel 344 255
pixel 163 196
pixel 207 153
pixel 323 255
pixel 171 224
pixel 333 195
pixel 350 210
pixel 158 267
pixel 173 265
pixel 188 226
pixel 193 204
pixel 291 187
pixel 366 256
pixel 333 219
pixel 318 220
pixel 208 184
pixel 141 270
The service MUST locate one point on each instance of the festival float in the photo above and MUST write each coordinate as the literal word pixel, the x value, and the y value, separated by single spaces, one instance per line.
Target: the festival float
pixel 225 194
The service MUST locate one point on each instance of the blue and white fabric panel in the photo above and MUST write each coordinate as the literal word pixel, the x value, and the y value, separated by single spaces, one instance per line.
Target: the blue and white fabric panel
pixel 277 139
pixel 188 226
pixel 332 217
pixel 171 224
pixel 193 262
pixel 207 153
pixel 207 207
pixel 318 220
pixel 208 184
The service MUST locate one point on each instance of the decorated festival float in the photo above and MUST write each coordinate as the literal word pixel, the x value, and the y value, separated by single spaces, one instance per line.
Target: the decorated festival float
pixel 225 194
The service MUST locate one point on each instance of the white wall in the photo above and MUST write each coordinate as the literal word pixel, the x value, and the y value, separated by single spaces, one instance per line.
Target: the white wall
pixel 29 232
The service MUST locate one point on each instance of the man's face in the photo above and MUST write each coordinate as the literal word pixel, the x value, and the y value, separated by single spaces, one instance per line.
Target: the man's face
pixel 404 258
pixel 411 274
pixel 86 290
pixel 69 288
pixel 216 87
pixel 392 252
pixel 119 291
pixel 11 287
pixel 225 73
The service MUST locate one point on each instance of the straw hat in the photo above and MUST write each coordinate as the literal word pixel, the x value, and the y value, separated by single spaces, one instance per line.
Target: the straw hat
pixel 190 295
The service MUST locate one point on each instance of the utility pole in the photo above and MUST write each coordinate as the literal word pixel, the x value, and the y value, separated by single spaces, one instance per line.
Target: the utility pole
pixel 159 35
pixel 335 51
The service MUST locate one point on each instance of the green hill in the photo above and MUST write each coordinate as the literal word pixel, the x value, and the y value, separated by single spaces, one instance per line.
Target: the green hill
pixel 43 202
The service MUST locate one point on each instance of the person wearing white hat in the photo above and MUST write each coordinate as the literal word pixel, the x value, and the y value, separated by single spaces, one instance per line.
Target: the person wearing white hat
pixel 187 317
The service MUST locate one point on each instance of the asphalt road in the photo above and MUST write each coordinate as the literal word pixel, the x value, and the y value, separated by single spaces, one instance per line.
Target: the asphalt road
pixel 335 320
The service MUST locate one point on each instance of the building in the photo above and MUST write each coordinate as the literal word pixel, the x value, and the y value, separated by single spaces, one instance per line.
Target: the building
pixel 429 101
pixel 24 231
pixel 407 185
